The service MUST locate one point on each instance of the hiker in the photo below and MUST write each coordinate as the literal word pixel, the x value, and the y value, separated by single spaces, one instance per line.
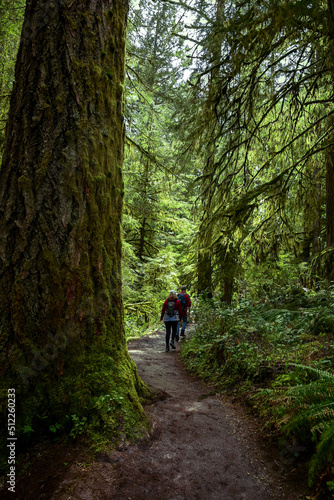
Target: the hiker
pixel 171 314
pixel 185 304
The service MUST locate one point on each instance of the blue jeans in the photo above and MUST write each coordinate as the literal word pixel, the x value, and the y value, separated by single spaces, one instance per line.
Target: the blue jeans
pixel 184 324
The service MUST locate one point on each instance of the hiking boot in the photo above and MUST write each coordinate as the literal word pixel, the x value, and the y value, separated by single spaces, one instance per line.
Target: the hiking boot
pixel 167 349
pixel 182 333
pixel 173 345
pixel 177 338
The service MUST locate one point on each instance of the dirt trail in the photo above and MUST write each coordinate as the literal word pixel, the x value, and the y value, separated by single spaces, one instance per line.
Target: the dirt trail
pixel 202 447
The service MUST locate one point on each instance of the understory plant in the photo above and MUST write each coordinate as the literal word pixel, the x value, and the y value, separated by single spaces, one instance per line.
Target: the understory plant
pixel 309 408
pixel 281 349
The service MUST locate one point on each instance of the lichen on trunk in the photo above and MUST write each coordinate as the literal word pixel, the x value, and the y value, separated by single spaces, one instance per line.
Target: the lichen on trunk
pixel 62 339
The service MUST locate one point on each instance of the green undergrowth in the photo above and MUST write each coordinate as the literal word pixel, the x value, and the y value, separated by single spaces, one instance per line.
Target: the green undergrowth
pixel 141 317
pixel 137 327
pixel 279 357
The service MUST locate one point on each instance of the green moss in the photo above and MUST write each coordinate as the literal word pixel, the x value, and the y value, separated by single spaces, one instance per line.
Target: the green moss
pixel 69 136
pixel 72 23
pixel 100 178
pixel 60 102
pixel 96 70
pixel 24 183
pixel 79 65
pixel 109 74
pixel 112 45
pixel 43 166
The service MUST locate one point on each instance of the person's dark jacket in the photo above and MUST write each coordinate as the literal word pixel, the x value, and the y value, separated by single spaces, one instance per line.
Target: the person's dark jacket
pixel 177 307
pixel 188 303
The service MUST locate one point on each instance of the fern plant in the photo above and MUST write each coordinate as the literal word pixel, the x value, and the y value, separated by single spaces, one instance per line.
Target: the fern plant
pixel 310 406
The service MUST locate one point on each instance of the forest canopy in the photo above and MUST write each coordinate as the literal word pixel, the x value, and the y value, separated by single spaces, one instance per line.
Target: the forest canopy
pixel 228 142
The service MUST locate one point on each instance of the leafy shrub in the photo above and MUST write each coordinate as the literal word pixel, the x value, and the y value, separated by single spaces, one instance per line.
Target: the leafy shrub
pixel 323 322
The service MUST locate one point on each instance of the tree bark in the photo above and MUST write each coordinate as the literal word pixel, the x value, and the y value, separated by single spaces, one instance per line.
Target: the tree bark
pixel 204 262
pixel 62 337
pixel 312 221
pixel 329 259
pixel 204 273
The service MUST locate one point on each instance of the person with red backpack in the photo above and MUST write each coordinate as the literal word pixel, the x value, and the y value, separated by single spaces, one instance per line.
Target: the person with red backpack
pixel 185 304
pixel 171 314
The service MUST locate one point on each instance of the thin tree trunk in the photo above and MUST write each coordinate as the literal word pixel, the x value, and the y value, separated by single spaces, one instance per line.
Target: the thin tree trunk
pixel 204 273
pixel 142 234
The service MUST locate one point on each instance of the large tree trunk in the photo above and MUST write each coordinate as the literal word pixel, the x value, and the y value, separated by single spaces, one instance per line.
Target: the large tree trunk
pixel 329 259
pixel 330 200
pixel 204 262
pixel 62 336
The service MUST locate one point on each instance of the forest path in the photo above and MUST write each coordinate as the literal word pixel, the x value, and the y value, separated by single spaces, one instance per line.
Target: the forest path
pixel 203 447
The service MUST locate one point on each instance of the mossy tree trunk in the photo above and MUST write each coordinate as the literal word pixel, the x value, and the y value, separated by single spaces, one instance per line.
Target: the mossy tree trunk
pixel 329 259
pixel 204 257
pixel 204 273
pixel 204 261
pixel 229 270
pixel 62 337
pixel 312 222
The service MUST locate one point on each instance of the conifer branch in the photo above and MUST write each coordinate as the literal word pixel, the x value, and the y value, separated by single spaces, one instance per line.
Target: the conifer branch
pixel 149 155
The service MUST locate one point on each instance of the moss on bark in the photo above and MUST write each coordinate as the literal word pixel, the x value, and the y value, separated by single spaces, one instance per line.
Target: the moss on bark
pixel 62 337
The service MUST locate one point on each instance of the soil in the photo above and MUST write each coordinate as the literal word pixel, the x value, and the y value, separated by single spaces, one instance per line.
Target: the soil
pixel 202 446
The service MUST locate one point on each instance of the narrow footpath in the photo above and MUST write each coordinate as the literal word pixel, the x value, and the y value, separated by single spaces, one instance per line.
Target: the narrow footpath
pixel 202 447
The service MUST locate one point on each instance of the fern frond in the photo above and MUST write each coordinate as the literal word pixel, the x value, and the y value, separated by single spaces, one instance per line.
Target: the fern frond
pixel 310 406
pixel 312 393
pixel 325 453
pixel 319 428
pixel 322 374
pixel 315 415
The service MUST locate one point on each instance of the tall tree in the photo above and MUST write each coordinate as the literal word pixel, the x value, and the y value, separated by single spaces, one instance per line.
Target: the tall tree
pixel 204 271
pixel 273 106
pixel 62 338
pixel 149 173
pixel 330 160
